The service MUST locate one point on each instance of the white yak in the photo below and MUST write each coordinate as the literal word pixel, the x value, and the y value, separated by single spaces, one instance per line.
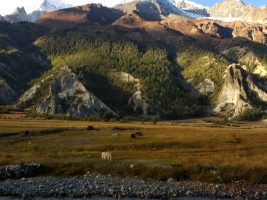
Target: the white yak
pixel 106 156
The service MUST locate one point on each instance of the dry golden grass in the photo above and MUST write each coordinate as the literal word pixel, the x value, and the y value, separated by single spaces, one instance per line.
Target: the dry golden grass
pixel 189 150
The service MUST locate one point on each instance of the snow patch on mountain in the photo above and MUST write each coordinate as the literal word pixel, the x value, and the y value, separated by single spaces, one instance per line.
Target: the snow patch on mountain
pixel 192 7
pixel 52 5
pixel 223 19
pixel 194 4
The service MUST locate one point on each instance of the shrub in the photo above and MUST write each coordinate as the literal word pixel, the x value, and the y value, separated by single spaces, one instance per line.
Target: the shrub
pixel 252 114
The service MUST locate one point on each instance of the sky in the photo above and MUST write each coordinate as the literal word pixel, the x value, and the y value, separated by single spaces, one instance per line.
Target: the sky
pixel 8 6
pixel 250 2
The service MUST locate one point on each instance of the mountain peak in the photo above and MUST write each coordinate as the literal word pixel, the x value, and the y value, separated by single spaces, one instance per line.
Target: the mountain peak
pixel 19 10
pixel 52 5
pixel 238 10
pixel 239 2
pixel 192 7
pixel 89 14
pixel 235 1
pixel 18 15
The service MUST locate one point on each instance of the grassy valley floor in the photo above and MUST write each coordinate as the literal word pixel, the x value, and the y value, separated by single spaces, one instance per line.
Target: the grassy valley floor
pixel 196 150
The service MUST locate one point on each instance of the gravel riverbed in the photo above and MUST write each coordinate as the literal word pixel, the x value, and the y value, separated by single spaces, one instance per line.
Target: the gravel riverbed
pixel 98 186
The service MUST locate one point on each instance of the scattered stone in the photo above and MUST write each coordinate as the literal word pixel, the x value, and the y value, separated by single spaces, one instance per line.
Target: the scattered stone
pixel 171 180
pixel 96 185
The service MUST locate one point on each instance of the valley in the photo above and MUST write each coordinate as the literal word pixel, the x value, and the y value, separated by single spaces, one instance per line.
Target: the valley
pixel 166 97
pixel 197 150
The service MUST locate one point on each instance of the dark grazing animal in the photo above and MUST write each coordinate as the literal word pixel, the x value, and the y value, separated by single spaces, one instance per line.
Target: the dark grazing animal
pixel 26 133
pixel 90 128
pixel 137 135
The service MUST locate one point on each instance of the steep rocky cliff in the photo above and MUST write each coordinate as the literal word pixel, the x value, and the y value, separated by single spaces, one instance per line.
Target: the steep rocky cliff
pixel 62 94
pixel 239 92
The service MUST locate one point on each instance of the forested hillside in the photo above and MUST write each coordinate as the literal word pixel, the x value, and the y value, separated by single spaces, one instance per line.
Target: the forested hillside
pixel 168 69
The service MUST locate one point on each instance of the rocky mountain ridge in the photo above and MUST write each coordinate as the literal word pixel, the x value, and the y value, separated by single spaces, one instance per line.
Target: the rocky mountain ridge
pixel 166 8
pixel 192 7
pixel 154 9
pixel 238 10
pixel 201 28
pixel 229 10
pixel 18 15
pixel 91 14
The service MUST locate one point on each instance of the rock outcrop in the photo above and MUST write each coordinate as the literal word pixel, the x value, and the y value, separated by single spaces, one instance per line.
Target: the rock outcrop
pixel 62 94
pixel 137 100
pixel 203 28
pixel 237 92
pixel 253 32
pixel 206 87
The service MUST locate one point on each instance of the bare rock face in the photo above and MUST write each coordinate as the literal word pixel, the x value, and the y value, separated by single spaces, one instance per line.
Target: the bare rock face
pixel 206 87
pixel 130 20
pixel 253 32
pixel 205 30
pixel 233 99
pixel 202 30
pixel 145 10
pixel 63 94
pixel 137 100
pixel 236 93
pixel 239 10
pixel 213 29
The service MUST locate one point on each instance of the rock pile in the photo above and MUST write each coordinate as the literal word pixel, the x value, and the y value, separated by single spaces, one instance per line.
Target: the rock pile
pixel 18 171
